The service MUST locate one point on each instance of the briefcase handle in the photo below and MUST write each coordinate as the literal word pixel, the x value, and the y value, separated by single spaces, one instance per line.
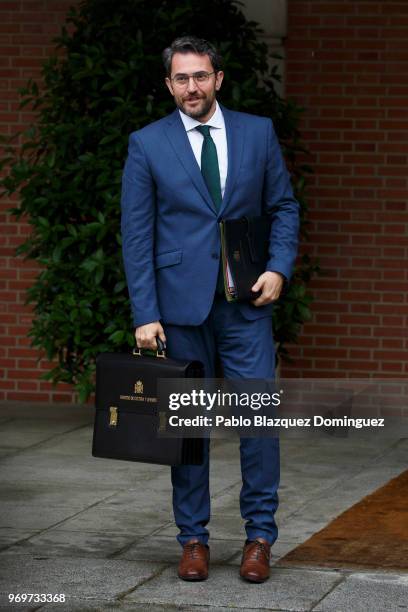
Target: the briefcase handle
pixel 161 351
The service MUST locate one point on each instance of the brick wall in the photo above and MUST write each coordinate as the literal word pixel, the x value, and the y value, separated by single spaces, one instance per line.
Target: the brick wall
pixel 26 31
pixel 347 64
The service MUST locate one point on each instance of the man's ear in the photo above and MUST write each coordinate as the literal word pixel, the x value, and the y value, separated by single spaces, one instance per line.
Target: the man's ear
pixel 218 80
pixel 168 83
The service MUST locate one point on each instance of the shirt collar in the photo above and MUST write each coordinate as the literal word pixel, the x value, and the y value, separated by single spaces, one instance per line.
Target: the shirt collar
pixel 216 121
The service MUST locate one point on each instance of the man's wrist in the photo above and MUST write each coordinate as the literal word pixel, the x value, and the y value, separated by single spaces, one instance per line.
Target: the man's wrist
pixel 283 277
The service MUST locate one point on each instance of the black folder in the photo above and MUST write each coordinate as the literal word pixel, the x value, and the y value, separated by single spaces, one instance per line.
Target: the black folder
pixel 245 252
pixel 127 416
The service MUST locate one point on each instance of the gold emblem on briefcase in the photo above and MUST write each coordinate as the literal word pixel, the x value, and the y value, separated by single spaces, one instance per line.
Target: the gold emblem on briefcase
pixel 139 387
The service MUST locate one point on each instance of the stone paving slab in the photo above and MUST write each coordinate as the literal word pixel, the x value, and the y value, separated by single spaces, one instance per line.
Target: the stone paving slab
pixel 8 536
pixel 52 494
pixel 375 476
pixel 76 441
pixel 31 466
pixel 286 589
pixel 59 542
pixel 33 517
pixel 52 426
pixel 11 450
pixel 101 519
pixel 222 478
pixel 12 439
pixel 78 578
pixel 301 528
pixel 144 498
pixel 376 592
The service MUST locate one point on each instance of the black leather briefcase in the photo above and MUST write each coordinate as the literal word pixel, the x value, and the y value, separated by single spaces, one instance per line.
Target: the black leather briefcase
pixel 127 417
pixel 245 248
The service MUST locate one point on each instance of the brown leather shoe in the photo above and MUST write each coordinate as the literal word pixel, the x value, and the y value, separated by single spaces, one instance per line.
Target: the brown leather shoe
pixel 194 562
pixel 255 560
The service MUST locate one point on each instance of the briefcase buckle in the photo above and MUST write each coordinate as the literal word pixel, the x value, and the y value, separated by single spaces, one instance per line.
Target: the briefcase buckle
pixel 113 416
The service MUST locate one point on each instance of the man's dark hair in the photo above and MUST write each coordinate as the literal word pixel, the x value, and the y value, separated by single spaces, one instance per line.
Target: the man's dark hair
pixel 191 44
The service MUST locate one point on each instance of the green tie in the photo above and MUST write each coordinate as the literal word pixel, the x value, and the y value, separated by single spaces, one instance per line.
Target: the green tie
pixel 209 165
pixel 211 174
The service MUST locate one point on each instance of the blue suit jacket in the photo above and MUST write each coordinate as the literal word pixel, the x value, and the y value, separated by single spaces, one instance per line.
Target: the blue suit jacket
pixel 170 231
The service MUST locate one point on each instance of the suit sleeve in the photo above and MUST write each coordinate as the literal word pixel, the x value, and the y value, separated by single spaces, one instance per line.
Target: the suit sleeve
pixel 138 211
pixel 280 203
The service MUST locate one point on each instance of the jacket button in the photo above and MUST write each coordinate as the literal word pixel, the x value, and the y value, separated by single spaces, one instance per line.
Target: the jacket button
pixel 215 255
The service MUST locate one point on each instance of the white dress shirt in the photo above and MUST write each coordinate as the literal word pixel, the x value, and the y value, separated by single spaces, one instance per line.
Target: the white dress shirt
pixel 219 136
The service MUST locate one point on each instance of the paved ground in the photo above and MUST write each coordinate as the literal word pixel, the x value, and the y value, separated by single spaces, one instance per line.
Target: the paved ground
pixel 101 532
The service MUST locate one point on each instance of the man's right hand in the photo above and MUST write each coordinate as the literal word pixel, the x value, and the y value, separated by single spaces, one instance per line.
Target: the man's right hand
pixel 146 335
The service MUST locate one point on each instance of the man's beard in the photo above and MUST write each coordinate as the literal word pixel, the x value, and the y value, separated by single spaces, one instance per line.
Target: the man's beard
pixel 199 112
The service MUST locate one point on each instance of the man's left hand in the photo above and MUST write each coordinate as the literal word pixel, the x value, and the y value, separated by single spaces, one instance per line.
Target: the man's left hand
pixel 270 283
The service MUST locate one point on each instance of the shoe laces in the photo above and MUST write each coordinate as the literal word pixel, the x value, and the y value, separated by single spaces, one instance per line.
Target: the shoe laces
pixel 257 549
pixel 192 549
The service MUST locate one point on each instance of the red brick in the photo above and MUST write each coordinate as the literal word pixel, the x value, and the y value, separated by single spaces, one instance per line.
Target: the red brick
pixel 359 342
pixel 328 8
pixel 360 354
pixel 21 352
pixel 357 319
pixel 27 364
pixel 17 374
pixel 393 321
pixel 395 366
pixel 27 386
pixel 392 309
pixel 7 363
pixel 392 343
pixel 334 20
pixel 27 396
pixel 8 385
pixel 367 124
pixel 365 366
pixel 302 21
pixel 364 21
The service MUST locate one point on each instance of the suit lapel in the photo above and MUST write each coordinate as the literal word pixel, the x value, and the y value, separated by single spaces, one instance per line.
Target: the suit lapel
pixel 235 145
pixel 178 138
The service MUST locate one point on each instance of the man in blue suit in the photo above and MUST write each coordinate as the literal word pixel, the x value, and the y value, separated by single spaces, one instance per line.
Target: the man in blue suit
pixel 183 175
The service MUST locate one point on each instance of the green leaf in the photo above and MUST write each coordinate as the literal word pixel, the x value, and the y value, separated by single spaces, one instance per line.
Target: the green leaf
pixel 117 336
pixel 51 159
pixel 56 254
pixel 89 264
pixel 44 222
pixel 99 275
pixel 304 312
pixel 120 286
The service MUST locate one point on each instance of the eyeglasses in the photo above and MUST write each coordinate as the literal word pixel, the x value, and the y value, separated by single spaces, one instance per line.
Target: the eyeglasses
pixel 182 80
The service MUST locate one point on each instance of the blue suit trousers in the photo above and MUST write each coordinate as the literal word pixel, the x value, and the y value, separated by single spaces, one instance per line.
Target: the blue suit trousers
pixel 245 350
